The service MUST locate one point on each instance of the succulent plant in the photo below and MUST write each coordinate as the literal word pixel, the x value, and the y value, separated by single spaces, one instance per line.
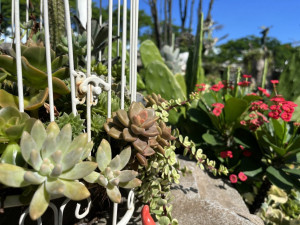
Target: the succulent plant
pixel 75 121
pixel 140 128
pixel 111 174
pixel 171 57
pixel 56 164
pixel 13 123
pixel 154 99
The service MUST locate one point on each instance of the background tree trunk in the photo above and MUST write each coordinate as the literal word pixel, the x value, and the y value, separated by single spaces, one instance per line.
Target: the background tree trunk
pixel 154 14
pixel 183 13
pixel 170 21
pixel 191 15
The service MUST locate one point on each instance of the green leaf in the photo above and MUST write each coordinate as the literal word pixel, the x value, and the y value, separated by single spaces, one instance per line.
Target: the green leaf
pixel 127 175
pixel 12 155
pixel 124 158
pixel 39 203
pixel 59 62
pixel 113 193
pixel 64 138
pixel 55 186
pixel 75 190
pixel 12 176
pixel 79 171
pixel 131 184
pixel 210 139
pixel 103 155
pixel 277 149
pixel 292 171
pixel 38 133
pixel 164 220
pixel 92 177
pixel 27 145
pixel 278 178
pixel 278 126
pixel 251 98
pixel 234 108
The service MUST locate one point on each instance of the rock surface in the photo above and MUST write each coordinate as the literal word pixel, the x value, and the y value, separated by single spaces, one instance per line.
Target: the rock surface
pixel 200 199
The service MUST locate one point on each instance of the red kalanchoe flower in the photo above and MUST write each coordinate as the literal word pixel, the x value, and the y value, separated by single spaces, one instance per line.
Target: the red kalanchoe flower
pixel 275 107
pixel 242 176
pixel 217 111
pixel 264 91
pixel 201 87
pixel 243 122
pixel 278 98
pixel 297 124
pixel 247 76
pixel 286 116
pixel 274 81
pixel 226 154
pixel 247 153
pixel 218 105
pixel 244 83
pixel 233 178
pixel 217 87
pixel 242 147
pixel 274 114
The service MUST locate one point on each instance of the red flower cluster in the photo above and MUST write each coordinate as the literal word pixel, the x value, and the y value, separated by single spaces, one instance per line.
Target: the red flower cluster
pixel 226 154
pixel 217 87
pixel 281 108
pixel 274 81
pixel 233 178
pixel 201 87
pixel 244 83
pixel 256 120
pixel 264 91
pixel 218 108
pixel 247 76
pixel 258 105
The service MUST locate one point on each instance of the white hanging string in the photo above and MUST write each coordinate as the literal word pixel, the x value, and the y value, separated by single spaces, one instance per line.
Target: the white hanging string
pixel 136 46
pixel 18 55
pixel 100 24
pixel 27 16
pixel 110 17
pixel 130 49
pixel 41 14
pixel 118 32
pixel 88 69
pixel 48 59
pixel 71 60
pixel 12 19
pixel 124 42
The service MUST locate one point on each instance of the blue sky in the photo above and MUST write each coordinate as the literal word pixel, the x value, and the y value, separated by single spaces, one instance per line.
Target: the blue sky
pixel 245 17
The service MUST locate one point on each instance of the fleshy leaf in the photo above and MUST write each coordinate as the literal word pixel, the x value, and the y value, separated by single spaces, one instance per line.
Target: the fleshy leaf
pixel 79 142
pixel 39 203
pixel 49 146
pixel 127 175
pixel 38 133
pixel 124 156
pixel 53 129
pixel 128 136
pixel 92 177
pixel 115 133
pixel 33 177
pixel 131 184
pixel 71 158
pixel 115 162
pixel 27 145
pixel 123 117
pixel 135 108
pixel 79 171
pixel 75 190
pixel 103 155
pixel 113 193
pixel 64 138
pixel 12 176
pixel 55 186
pixel 87 150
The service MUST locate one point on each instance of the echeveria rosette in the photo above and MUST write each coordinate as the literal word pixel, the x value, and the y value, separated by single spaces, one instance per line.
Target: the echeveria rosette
pixel 111 175
pixel 56 165
pixel 13 123
pixel 138 127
